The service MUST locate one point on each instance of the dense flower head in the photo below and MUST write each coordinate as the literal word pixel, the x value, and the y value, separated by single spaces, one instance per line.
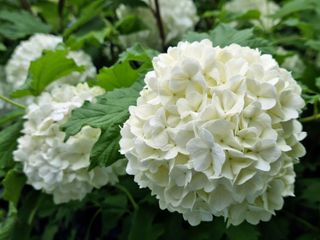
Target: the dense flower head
pixel 215 133
pixel 265 7
pixel 57 167
pixel 31 49
pixel 177 17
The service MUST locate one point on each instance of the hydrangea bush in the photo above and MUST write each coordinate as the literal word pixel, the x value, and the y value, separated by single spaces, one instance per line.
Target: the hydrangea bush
pixel 154 119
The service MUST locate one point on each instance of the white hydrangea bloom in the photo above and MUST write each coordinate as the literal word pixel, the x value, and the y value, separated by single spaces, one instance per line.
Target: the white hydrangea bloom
pixel 265 7
pixel 214 133
pixel 31 49
pixel 177 17
pixel 57 167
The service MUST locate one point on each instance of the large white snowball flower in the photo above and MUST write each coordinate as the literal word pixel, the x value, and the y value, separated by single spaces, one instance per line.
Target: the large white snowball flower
pixel 31 49
pixel 265 7
pixel 177 16
pixel 57 167
pixel 215 132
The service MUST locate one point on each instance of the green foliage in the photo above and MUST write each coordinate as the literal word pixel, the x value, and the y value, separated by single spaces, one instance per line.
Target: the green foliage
pixel 19 24
pixel 43 71
pixel 8 143
pixel 13 184
pixel 132 65
pixel 108 112
pixel 224 35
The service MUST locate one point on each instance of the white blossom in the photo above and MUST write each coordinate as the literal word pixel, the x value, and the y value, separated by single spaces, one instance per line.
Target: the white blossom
pixel 215 133
pixel 177 17
pixel 52 165
pixel 31 49
pixel 265 7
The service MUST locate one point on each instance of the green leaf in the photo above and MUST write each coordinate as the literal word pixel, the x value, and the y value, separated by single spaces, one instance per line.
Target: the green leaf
pixel 8 143
pixel 130 24
pixel 245 231
pixel 88 12
pixel 7 226
pixel 10 116
pixel 150 231
pixel 26 216
pixel 19 24
pixel 106 150
pixel 130 3
pixel 223 35
pixel 295 6
pixel 132 65
pixel 52 66
pixel 108 112
pixel 13 184
pixel 2 47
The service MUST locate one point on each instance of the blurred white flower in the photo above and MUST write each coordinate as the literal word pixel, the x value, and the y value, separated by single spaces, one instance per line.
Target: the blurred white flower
pixel 265 7
pixel 214 132
pixel 31 49
pixel 56 167
pixel 177 16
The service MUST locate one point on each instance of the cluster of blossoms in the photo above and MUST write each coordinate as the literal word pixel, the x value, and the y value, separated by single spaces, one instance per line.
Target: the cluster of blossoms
pixel 57 167
pixel 31 49
pixel 214 132
pixel 177 17
pixel 265 7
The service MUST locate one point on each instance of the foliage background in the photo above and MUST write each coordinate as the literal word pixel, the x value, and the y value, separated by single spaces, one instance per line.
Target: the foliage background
pixel 124 211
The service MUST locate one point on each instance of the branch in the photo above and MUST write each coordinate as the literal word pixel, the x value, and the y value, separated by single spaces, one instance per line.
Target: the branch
pixel 157 15
pixel 7 100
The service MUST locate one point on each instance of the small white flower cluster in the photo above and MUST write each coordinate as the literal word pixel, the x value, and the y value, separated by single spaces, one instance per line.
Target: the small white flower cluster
pixel 214 132
pixel 177 16
pixel 57 167
pixel 31 49
pixel 265 7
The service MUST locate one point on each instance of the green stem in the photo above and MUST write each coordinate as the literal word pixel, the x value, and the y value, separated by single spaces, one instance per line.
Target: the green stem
pixel 131 199
pixel 310 118
pixel 91 222
pixel 5 99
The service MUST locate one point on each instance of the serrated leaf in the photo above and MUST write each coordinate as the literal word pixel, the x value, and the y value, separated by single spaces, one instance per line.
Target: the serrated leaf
pixel 13 184
pixel 45 70
pixel 132 65
pixel 8 143
pixel 108 112
pixel 19 24
pixel 106 150
pixel 223 35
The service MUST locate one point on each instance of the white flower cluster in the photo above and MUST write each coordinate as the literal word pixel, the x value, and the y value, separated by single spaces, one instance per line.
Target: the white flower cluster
pixel 57 167
pixel 31 49
pixel 265 7
pixel 177 17
pixel 214 132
